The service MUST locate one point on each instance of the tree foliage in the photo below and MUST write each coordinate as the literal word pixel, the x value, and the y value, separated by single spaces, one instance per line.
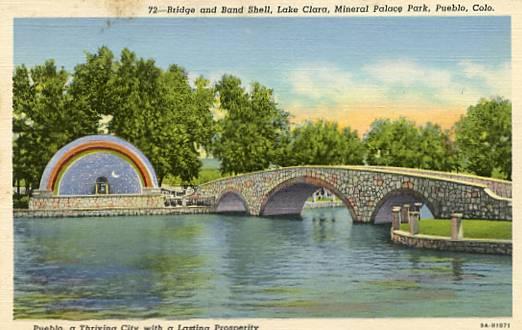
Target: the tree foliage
pixel 250 134
pixel 436 150
pixel 483 138
pixel 22 107
pixel 90 91
pixel 161 113
pixel 392 143
pixel 41 120
pixel 401 143
pixel 323 143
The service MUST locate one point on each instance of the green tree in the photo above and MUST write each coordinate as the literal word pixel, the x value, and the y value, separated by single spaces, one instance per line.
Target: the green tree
pixel 250 135
pixel 483 138
pixel 91 95
pixel 41 123
pixel 436 150
pixel 201 125
pixel 130 100
pixel 392 143
pixel 23 99
pixel 401 143
pixel 186 122
pixel 355 148
pixel 161 114
pixel 322 143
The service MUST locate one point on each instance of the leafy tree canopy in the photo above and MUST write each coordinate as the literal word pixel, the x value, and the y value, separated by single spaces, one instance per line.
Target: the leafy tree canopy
pixel 401 143
pixel 250 135
pixel 323 143
pixel 483 138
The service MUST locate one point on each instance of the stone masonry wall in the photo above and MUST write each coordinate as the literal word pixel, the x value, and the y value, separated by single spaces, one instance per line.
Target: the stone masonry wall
pixel 500 187
pixel 364 190
pixel 108 212
pixel 446 244
pixel 96 202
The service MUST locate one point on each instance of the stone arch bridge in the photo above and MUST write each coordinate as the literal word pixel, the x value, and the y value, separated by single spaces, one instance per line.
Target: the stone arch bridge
pixel 368 192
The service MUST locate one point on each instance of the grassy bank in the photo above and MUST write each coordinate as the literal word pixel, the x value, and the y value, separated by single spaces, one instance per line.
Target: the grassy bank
pixel 472 228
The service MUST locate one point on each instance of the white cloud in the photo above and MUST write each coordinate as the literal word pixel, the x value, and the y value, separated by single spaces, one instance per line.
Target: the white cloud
pixel 497 79
pixel 400 81
pixel 320 81
pixel 407 73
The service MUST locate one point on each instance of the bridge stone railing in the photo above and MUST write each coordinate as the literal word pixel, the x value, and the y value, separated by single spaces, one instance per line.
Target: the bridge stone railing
pixel 501 188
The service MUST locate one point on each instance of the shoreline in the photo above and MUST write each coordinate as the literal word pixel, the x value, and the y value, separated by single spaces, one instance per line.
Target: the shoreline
pixel 121 211
pixel 441 243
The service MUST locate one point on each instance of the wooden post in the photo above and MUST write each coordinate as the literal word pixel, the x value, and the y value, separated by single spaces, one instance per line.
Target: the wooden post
pixel 396 217
pixel 457 232
pixel 414 222
pixel 405 213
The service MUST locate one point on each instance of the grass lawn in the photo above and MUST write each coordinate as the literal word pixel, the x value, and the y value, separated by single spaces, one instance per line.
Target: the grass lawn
pixel 472 228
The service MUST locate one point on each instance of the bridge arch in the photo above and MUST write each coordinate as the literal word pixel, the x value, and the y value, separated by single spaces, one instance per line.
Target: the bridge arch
pixel 289 196
pixel 399 197
pixel 231 201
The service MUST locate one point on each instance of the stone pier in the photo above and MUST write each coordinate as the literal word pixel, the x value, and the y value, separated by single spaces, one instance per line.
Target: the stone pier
pixel 457 230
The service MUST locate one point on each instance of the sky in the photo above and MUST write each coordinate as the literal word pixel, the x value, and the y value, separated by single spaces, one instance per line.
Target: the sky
pixel 352 70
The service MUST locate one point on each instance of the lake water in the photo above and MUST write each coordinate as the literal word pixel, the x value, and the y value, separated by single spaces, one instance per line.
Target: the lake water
pixel 214 266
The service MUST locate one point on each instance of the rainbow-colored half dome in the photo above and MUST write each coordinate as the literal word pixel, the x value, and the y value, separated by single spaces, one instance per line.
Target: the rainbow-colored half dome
pixel 75 168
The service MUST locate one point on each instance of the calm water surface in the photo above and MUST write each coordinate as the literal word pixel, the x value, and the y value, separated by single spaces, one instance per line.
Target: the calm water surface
pixel 207 266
